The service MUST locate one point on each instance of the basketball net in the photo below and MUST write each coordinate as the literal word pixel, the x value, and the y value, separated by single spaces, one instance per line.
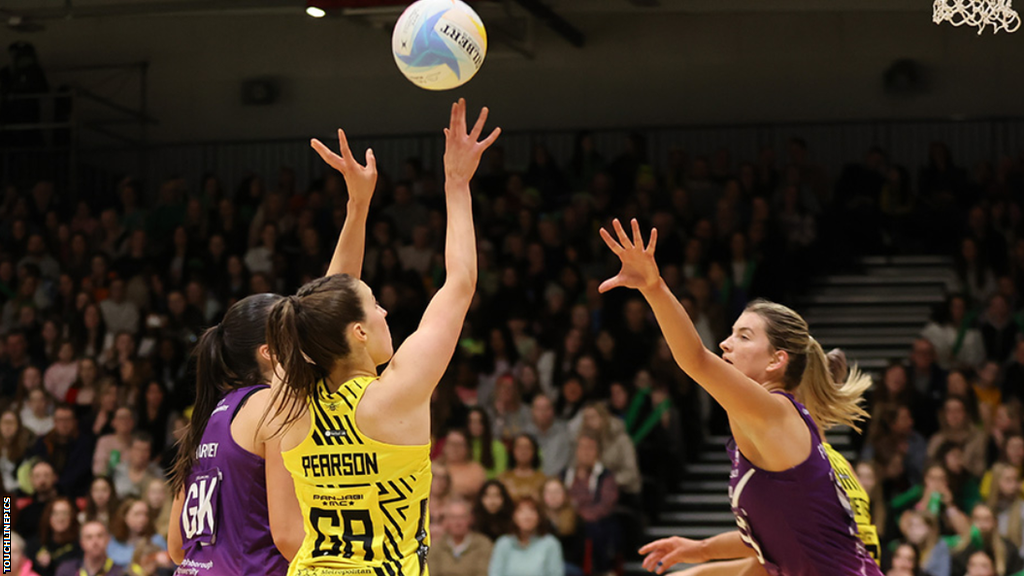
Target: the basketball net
pixel 981 13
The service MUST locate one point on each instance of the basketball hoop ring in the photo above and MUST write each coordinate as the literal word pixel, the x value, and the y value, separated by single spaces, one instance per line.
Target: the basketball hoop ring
pixel 980 13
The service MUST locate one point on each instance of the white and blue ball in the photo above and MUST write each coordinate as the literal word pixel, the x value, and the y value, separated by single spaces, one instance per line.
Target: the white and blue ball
pixel 439 44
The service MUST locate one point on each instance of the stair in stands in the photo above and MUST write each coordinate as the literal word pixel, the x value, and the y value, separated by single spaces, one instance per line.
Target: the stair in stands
pixel 874 316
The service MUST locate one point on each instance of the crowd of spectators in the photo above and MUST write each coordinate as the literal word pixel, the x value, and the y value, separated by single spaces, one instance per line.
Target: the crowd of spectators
pixel 563 418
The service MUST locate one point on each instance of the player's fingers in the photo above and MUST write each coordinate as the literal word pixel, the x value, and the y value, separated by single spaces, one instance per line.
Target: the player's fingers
pixel 654 545
pixel 460 117
pixel 452 120
pixel 371 159
pixel 478 128
pixel 621 233
pixel 609 284
pixel 653 242
pixel 330 157
pixel 638 239
pixel 670 560
pixel 490 139
pixel 343 144
pixel 616 249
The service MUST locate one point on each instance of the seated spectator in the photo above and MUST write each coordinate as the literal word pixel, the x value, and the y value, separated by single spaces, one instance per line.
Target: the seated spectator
pixel 112 448
pixel 594 494
pixel 508 413
pixel 551 434
pixel 924 373
pixel 58 537
pixel 977 281
pixel 981 563
pixel 530 550
pixel 69 450
pixel 15 441
pixel 1013 456
pixel 35 414
pixel 492 510
pixel 21 565
pixel 984 537
pixel 894 391
pixel 571 399
pixel 94 541
pixel 618 455
pixel 956 427
pixel 921 529
pixel 1007 503
pixel 467 476
pixel 954 335
pixel 31 378
pixel 986 391
pixel 935 497
pixel 461 551
pixel 137 468
pixel 61 375
pixel 155 495
pixel 100 420
pixel 120 314
pixel 440 486
pixel 962 484
pixel 101 503
pixel 44 490
pixel 131 527
pixel 524 477
pixel 998 330
pixel 1013 380
pixel 488 451
pixel 870 479
pixel 17 360
pixel 1006 424
pixel 906 560
pixel 83 392
pixel 567 525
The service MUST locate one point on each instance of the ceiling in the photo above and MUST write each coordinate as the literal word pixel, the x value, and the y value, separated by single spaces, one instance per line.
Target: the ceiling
pixel 95 8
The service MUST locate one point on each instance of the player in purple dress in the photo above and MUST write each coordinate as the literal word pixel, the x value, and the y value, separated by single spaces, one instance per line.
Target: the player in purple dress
pixel 793 516
pixel 220 521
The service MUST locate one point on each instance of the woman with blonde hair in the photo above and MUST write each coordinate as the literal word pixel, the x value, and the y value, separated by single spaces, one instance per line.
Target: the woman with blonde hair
pixel 1007 504
pixel 955 426
pixel 921 529
pixel 789 513
pixel 618 454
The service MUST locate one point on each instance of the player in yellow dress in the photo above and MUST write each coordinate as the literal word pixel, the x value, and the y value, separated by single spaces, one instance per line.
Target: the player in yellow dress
pixel 354 466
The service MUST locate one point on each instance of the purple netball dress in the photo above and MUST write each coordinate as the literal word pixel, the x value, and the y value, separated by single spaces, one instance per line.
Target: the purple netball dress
pixel 225 528
pixel 799 521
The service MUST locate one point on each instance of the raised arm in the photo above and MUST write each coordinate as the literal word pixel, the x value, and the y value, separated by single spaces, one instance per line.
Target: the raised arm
pixel 361 181
pixel 746 401
pixel 421 361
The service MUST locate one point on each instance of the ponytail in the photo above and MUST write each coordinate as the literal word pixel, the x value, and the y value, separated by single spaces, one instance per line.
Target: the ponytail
pixel 225 359
pixel 211 384
pixel 306 334
pixel 829 403
pixel 810 374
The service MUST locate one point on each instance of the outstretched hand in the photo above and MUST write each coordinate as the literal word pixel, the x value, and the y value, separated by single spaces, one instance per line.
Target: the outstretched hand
pixel 639 270
pixel 360 180
pixel 463 150
pixel 663 554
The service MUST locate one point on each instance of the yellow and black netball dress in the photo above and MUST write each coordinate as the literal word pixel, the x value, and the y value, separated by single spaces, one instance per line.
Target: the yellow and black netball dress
pixel 364 503
pixel 859 500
